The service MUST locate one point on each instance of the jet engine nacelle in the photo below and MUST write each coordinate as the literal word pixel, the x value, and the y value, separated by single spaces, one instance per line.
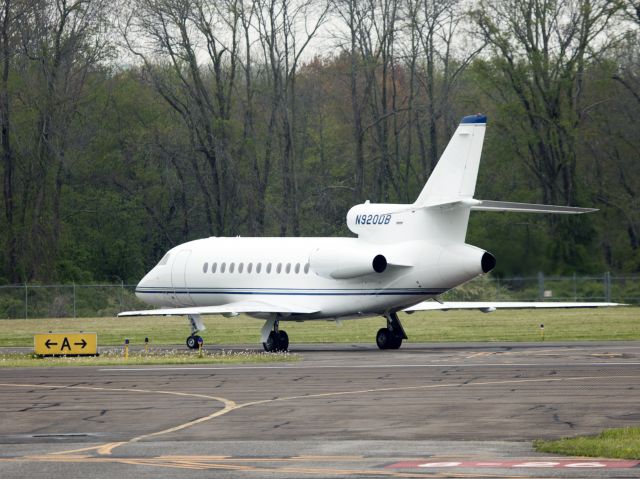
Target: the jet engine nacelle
pixel 346 264
pixel 462 262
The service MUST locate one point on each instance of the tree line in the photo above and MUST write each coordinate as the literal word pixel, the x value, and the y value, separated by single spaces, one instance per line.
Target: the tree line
pixel 127 128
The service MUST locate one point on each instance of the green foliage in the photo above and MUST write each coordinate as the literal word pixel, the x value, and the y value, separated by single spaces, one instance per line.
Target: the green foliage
pixel 134 179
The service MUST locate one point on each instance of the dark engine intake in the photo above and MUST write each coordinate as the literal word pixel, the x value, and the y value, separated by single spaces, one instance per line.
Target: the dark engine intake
pixel 379 263
pixel 346 264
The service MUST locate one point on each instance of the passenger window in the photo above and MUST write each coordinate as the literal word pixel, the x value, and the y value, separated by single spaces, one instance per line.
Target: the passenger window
pixel 205 267
pixel 258 268
pixel 232 266
pixel 288 268
pixel 279 268
pixel 214 266
pixel 297 268
pixel 306 268
pixel 240 267
pixel 223 267
pixel 269 268
pixel 249 268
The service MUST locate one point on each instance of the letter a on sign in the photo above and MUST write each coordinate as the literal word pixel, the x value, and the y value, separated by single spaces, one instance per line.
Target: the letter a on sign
pixel 65 344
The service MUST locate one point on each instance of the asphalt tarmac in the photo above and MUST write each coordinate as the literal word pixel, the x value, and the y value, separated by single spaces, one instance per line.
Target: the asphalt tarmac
pixel 426 410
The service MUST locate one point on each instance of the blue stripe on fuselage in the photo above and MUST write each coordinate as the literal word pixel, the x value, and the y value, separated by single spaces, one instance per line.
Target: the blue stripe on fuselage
pixel 294 292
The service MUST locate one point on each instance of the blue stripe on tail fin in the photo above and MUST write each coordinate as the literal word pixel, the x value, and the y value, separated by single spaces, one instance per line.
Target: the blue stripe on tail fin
pixel 475 119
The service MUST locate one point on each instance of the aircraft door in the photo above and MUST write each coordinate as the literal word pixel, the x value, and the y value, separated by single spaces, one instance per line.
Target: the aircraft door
pixel 180 295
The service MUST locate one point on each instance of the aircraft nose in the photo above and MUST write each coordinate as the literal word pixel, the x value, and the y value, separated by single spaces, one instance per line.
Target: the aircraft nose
pixel 141 286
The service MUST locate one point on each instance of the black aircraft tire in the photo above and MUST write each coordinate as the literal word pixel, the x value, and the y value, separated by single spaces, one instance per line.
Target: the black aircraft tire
pixel 382 338
pixel 271 345
pixel 396 342
pixel 276 342
pixel 385 339
pixel 283 341
pixel 192 342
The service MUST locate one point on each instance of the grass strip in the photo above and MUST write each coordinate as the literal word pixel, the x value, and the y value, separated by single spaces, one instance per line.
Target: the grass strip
pixel 622 323
pixel 611 443
pixel 115 357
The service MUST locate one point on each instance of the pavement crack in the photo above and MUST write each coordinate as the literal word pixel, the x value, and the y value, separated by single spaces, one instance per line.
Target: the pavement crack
pixel 39 407
pixel 278 426
pixel 94 418
pixel 557 420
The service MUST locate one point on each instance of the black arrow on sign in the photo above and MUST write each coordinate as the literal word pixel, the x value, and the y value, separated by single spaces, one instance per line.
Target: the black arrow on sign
pixel 48 344
pixel 83 343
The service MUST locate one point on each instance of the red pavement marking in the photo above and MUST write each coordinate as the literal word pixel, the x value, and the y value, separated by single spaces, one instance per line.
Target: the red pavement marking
pixel 509 464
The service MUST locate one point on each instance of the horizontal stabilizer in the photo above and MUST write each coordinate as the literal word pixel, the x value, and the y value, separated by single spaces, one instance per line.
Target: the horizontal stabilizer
pixel 488 205
pixel 488 306
pixel 229 308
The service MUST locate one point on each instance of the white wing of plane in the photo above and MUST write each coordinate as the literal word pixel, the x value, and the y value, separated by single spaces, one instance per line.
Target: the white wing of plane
pixel 229 308
pixel 489 306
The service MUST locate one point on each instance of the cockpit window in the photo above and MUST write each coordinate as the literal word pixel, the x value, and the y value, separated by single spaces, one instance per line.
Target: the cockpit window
pixel 164 260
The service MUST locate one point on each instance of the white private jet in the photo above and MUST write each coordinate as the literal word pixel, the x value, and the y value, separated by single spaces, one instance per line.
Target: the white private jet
pixel 404 256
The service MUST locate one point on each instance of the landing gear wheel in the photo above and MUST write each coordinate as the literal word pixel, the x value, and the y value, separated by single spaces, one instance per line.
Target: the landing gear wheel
pixel 385 339
pixel 277 341
pixel 283 340
pixel 270 344
pixel 396 342
pixel 382 338
pixel 192 342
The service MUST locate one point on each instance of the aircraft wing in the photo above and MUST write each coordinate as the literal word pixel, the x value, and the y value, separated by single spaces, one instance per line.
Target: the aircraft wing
pixel 229 308
pixel 489 306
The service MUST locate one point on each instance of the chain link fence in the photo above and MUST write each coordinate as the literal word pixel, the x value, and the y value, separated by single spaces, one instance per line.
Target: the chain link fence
pixel 605 287
pixel 67 300
pixel 102 300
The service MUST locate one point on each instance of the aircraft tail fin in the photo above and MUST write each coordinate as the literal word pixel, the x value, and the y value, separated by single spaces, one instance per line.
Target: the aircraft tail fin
pixel 455 175
pixel 441 212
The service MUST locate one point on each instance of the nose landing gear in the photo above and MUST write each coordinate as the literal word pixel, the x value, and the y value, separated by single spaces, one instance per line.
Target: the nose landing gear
pixel 196 326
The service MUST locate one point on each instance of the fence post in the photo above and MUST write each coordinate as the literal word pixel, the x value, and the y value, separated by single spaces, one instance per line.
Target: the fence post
pixel 541 285
pixel 74 300
pixel 607 286
pixel 26 301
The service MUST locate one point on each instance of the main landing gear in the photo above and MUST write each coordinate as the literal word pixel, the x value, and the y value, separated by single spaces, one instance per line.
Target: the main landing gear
pixel 196 326
pixel 391 337
pixel 274 339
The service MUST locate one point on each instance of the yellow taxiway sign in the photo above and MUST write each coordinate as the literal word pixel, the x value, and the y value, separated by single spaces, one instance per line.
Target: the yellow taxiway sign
pixel 65 344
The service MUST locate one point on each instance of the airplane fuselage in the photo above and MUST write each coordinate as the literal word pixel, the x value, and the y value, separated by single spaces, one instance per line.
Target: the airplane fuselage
pixel 301 272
